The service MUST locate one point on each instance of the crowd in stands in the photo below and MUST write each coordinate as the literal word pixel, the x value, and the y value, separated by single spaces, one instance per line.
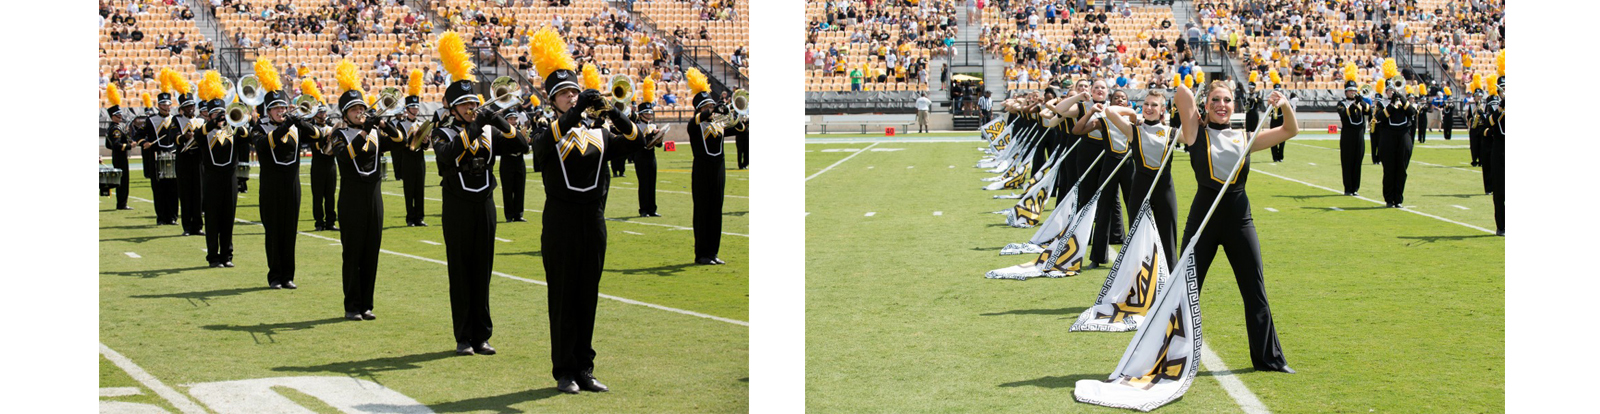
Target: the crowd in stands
pixel 883 42
pixel 1045 42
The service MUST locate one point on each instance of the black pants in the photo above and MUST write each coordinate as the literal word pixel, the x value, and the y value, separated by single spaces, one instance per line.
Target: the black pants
pixel 1498 177
pixel 619 166
pixel 1397 158
pixel 1445 123
pixel 361 206
pixel 324 186
pixel 191 185
pixel 1277 151
pixel 469 227
pixel 121 162
pixel 513 186
pixel 1422 126
pixel 1107 219
pixel 1163 207
pixel 1087 151
pixel 1351 150
pixel 165 192
pixel 280 213
pixel 1068 171
pixel 573 241
pixel 709 177
pixel 1233 229
pixel 1474 145
pixel 644 162
pixel 1376 142
pixel 222 202
pixel 412 178
pixel 742 142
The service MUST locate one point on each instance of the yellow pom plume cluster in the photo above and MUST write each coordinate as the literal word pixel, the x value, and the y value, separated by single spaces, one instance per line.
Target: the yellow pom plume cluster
pixel 179 84
pixel 1199 78
pixel 453 53
pixel 1272 75
pixel 550 52
pixel 1350 71
pixel 591 77
pixel 697 81
pixel 349 78
pixel 1379 86
pixel 268 75
pixel 308 87
pixel 1477 82
pixel 1422 89
pixel 1390 69
pixel 113 95
pixel 1176 79
pixel 146 98
pixel 1254 76
pixel 414 85
pixel 1500 62
pixel 647 90
pixel 211 86
pixel 164 78
pixel 1448 92
pixel 1493 87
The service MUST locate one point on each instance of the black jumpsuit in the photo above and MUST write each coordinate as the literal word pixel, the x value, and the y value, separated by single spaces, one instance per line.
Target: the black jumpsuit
pixel 324 185
pixel 572 155
pixel 1422 120
pixel 360 210
pixel 191 179
pixel 1232 228
pixel 1108 218
pixel 279 147
pixel 221 188
pixel 1070 168
pixel 514 175
pixel 118 142
pixel 163 137
pixel 1352 148
pixel 1149 154
pixel 1446 120
pixel 1395 124
pixel 709 174
pixel 410 168
pixel 465 157
pixel 644 162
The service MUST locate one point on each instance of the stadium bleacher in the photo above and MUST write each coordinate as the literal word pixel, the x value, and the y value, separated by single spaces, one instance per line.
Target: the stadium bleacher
pixel 899 29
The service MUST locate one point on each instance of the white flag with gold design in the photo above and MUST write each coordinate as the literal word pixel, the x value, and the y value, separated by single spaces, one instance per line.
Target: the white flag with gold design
pixel 1063 258
pixel 1163 357
pixel 1131 287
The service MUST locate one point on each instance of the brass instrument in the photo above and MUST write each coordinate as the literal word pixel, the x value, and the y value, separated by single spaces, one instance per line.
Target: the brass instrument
pixel 1365 91
pixel 238 114
pixel 306 106
pixel 504 93
pixel 228 90
pixel 390 102
pixel 420 133
pixel 622 92
pixel 741 103
pixel 250 91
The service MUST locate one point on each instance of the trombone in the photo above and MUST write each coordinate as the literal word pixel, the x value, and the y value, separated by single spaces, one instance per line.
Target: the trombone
pixel 389 102
pixel 305 106
pixel 622 92
pixel 504 93
pixel 739 108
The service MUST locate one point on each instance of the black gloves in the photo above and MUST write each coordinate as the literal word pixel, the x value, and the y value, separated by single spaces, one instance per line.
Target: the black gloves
pixel 590 99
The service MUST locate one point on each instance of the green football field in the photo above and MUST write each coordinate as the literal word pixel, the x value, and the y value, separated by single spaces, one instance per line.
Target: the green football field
pixel 672 336
pixel 1380 310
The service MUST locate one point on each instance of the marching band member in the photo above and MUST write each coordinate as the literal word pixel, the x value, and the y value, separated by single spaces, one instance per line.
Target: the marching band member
pixel 1495 139
pixel 356 149
pixel 1067 108
pixel 408 159
pixel 709 171
pixel 118 141
pixel 158 138
pixel 1276 120
pixel 741 142
pixel 324 170
pixel 190 180
pixel 1092 125
pixel 573 152
pixel 645 160
pixel 1352 125
pixel 1474 129
pixel 1232 227
pixel 513 168
pixel 464 145
pixel 278 136
pixel 1148 146
pixel 220 162
pixel 1396 122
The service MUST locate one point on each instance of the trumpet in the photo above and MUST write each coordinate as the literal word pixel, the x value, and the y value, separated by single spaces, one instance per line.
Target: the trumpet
pixel 305 106
pixel 504 93
pixel 389 102
pixel 250 90
pixel 622 91
pixel 238 114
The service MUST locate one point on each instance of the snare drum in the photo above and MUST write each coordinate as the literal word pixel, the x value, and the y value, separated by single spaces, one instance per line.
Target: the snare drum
pixel 166 165
pixel 383 168
pixel 243 172
pixel 110 177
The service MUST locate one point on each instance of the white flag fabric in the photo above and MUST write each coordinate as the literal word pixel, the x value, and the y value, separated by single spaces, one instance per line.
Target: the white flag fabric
pixel 993 129
pixel 1131 287
pixel 1064 257
pixel 1027 212
pixel 1163 357
pixel 1054 226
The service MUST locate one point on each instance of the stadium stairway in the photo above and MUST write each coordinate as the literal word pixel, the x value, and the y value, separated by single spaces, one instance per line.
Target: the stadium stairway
pixel 1182 13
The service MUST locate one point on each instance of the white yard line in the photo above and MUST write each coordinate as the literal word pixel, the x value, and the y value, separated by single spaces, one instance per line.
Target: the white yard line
pixel 1335 209
pixel 871 213
pixel 502 240
pixel 512 277
pixel 177 399
pixel 1379 202
pixel 1446 166
pixel 835 164
pixel 140 199
pixel 1460 207
pixel 1272 209
pixel 1230 383
pixel 633 233
pixel 611 219
pixel 119 391
pixel 938 213
pixel 132 254
pixel 431 242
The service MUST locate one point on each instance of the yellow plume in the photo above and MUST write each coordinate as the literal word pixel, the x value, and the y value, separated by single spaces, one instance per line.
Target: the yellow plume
pixel 113 95
pixel 414 85
pixel 533 100
pixel 308 86
pixel 268 75
pixel 453 53
pixel 145 96
pixel 1274 77
pixel 647 90
pixel 1378 87
pixel 164 77
pixel 550 52
pixel 210 85
pixel 1390 70
pixel 1176 79
pixel 1349 71
pixel 349 78
pixel 1477 81
pixel 1411 89
pixel 1447 91
pixel 1254 76
pixel 370 99
pixel 179 84
pixel 1500 62
pixel 1493 88
pixel 591 77
pixel 697 81
pixel 1466 61
pixel 1422 89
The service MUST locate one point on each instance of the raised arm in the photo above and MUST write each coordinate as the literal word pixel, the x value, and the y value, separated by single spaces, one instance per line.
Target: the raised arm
pixel 1118 115
pixel 1187 114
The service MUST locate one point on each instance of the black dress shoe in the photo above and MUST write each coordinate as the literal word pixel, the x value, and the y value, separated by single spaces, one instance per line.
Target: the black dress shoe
pixel 484 348
pixel 275 285
pixel 290 285
pixel 717 261
pixel 215 264
pixel 588 383
pixel 1284 369
pixel 317 228
pixel 1092 265
pixel 227 264
pixel 566 385
pixel 1501 233
pixel 419 224
pixel 187 234
pixel 331 228
pixel 702 261
pixel 368 315
pixel 200 233
pixel 463 349
pixel 520 220
pixel 352 316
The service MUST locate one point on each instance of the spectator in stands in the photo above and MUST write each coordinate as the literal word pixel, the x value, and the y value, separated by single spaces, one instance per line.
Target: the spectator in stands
pixel 855 79
pixel 670 98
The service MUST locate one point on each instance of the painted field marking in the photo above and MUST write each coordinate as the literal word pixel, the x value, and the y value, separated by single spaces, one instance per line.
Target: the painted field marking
pixel 1312 163
pixel 910 166
pixel 141 199
pixel 502 240
pixel 204 250
pixel 172 396
pixel 1378 202
pixel 1446 166
pixel 836 163
pixel 430 242
pixel 1230 383
pixel 1460 207
pixel 1272 209
pixel 1335 209
pixel 887 149
pixel 633 233
pixel 120 391
pixel 131 254
pixel 536 282
pixel 871 167
pixel 842 150
pixel 611 219
pixel 938 213
pixel 871 213
pixel 952 166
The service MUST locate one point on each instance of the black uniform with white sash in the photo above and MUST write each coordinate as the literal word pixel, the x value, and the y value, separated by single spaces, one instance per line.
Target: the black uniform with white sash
pixel 1494 140
pixel 709 175
pixel 1396 123
pixel 514 170
pixel 278 148
pixel 357 152
pixel 191 179
pixel 410 166
pixel 465 156
pixel 324 184
pixel 162 133
pixel 644 163
pixel 1352 146
pixel 221 162
pixel 118 141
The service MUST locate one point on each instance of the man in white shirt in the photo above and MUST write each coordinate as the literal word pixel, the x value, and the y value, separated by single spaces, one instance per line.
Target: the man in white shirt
pixel 922 112
pixel 984 104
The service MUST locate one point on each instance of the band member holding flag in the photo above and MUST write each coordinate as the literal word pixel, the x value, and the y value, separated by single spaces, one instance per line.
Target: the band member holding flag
pixel 1148 145
pixel 572 155
pixel 277 140
pixel 1092 125
pixel 1232 227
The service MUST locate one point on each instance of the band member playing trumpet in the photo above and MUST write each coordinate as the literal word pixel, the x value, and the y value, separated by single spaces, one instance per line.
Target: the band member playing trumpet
pixel 158 140
pixel 513 169
pixel 572 154
pixel 1396 126
pixel 324 171
pixel 710 170
pixel 190 178
pixel 408 156
pixel 1352 125
pixel 356 148
pixel 219 154
pixel 118 141
pixel 644 161
pixel 277 139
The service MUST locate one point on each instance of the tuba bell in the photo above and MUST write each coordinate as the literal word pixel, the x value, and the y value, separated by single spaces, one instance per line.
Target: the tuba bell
pixel 504 93
pixel 238 114
pixel 1365 91
pixel 305 106
pixel 250 90
pixel 741 102
pixel 228 89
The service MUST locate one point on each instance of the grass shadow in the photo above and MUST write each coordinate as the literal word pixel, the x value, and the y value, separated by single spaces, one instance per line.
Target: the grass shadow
pixel 1228 372
pixel 1421 240
pixel 140 226
pixel 1330 210
pixel 365 368
pixel 144 238
pixel 1456 195
pixel 667 270
pixel 497 403
pixel 260 330
pixel 1069 381
pixel 202 296
pixel 1308 197
pixel 155 272
pixel 736 213
pixel 530 253
pixel 1062 311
